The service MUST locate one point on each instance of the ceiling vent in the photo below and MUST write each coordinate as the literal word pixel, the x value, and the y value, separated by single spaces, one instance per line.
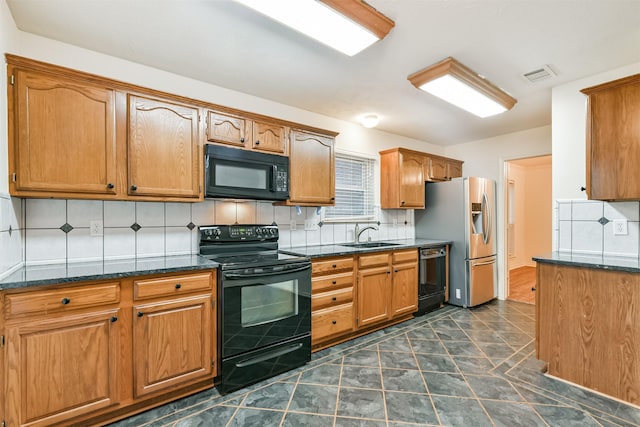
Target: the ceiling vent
pixel 539 74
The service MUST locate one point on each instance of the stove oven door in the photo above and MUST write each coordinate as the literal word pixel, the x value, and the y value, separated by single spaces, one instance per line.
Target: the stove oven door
pixel 263 306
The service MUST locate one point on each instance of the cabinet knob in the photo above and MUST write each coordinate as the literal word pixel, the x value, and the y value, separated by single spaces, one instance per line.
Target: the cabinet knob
pixel 332 199
pixel 110 186
pixel 402 202
pixel 334 266
pixel 140 314
pixel 178 285
pixel 334 299
pixel 241 139
pixel 395 271
pixel 65 301
pixel 258 142
pixel 134 188
pixel 334 322
pixel 388 272
pixel 333 282
pixel 533 289
pixel 114 319
pixel 583 188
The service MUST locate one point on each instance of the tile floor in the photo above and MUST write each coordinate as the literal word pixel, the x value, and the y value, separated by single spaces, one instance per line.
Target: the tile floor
pixel 451 367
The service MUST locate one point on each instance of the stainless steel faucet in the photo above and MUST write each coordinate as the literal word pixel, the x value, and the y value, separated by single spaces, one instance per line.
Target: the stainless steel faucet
pixel 357 232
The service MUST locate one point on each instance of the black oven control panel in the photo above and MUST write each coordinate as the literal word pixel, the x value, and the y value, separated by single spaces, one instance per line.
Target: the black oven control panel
pixel 238 233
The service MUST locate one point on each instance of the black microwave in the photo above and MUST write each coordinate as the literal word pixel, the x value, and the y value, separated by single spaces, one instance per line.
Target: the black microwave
pixel 241 174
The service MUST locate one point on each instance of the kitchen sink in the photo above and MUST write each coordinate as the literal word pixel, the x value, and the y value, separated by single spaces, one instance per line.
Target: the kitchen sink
pixel 368 244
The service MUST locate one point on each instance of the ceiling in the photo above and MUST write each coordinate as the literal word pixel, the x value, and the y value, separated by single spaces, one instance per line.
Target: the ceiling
pixel 226 44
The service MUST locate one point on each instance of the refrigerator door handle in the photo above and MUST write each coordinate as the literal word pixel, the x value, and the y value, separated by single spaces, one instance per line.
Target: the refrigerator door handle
pixel 484 263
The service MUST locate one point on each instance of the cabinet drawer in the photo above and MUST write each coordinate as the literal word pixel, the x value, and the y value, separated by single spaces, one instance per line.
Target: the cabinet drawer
pixel 152 288
pixel 331 322
pixel 335 281
pixel 373 260
pixel 57 300
pixel 405 256
pixel 332 299
pixel 332 265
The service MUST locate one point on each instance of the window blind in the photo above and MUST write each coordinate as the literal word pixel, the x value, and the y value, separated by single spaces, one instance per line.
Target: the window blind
pixel 354 188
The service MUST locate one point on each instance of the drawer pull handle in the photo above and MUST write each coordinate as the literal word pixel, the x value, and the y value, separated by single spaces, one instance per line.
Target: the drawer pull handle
pixel 65 301
pixel 178 285
pixel 333 282
pixel 334 322
pixel 334 299
pixel 114 319
pixel 140 314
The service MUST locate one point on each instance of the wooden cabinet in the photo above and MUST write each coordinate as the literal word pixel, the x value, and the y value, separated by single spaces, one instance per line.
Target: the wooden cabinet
pixel 64 362
pixel 164 153
pixel 387 286
pixel 442 169
pixel 587 327
pixel 311 169
pixel 244 132
pixel 332 299
pixel 613 140
pixel 85 354
pixel 64 136
pixel 403 174
pixel 404 296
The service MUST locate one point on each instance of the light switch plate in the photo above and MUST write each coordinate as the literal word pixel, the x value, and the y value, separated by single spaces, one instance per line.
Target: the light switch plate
pixel 620 227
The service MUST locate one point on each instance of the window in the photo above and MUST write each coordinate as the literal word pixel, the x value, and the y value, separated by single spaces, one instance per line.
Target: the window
pixel 354 188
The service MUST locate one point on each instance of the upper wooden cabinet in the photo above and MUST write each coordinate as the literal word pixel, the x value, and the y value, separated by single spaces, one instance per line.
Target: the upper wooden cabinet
pixel 163 148
pixel 441 169
pixel 244 132
pixel 613 140
pixel 311 169
pixel 64 136
pixel 403 173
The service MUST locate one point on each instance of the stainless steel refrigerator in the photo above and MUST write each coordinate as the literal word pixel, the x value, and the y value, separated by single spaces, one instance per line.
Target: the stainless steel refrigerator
pixel 463 211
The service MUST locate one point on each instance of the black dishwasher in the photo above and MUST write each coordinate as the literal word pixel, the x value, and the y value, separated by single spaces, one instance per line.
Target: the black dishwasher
pixel 432 278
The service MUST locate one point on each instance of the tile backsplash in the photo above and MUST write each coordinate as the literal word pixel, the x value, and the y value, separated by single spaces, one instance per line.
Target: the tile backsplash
pixel 40 231
pixel 587 227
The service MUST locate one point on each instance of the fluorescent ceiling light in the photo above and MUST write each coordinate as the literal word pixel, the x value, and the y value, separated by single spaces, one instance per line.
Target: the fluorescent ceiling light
pixel 349 26
pixel 459 85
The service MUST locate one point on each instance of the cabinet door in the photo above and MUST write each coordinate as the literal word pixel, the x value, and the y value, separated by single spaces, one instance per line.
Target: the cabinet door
pixel 172 343
pixel 405 289
pixel 311 169
pixel 163 149
pixel 65 136
pixel 614 150
pixel 268 137
pixel 374 295
pixel 61 368
pixel 411 181
pixel 227 128
pixel 454 170
pixel 437 169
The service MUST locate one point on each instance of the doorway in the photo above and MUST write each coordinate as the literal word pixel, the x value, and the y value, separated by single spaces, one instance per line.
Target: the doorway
pixel 528 225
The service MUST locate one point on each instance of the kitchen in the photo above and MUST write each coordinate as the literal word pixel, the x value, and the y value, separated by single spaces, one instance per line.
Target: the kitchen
pixel 163 231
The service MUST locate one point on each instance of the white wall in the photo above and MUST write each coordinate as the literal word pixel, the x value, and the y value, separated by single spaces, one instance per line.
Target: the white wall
pixel 486 158
pixel 569 114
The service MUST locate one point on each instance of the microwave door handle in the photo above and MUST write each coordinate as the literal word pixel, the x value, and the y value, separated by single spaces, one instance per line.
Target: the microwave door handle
pixel 272 181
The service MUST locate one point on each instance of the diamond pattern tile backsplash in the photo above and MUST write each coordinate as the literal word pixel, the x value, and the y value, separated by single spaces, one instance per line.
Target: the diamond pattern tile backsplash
pixel 40 231
pixel 587 227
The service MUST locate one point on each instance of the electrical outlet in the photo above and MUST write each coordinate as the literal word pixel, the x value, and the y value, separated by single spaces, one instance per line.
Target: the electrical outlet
pixel 310 225
pixel 620 227
pixel 95 228
pixel 292 226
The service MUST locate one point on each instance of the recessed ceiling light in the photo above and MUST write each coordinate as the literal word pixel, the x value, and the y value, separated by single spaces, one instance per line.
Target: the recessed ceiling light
pixel 370 120
pixel 459 85
pixel 349 26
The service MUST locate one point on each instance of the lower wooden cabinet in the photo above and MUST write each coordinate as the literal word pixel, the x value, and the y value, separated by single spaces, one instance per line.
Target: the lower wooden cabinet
pixel 355 295
pixel 85 354
pixel 63 367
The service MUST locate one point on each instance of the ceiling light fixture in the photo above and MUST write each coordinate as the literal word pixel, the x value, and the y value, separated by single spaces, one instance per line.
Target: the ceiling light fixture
pixel 370 120
pixel 459 85
pixel 349 26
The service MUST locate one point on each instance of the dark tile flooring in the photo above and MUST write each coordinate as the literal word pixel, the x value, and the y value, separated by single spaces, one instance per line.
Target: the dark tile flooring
pixel 451 367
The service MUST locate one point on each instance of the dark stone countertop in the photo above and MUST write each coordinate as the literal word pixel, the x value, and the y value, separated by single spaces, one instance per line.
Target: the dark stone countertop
pixel 38 275
pixel 616 263
pixel 320 251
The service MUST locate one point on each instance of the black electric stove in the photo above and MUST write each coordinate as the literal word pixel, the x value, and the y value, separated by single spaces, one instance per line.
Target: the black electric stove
pixel 264 303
